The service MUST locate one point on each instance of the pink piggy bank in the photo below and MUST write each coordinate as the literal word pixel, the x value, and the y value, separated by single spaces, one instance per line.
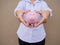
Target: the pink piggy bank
pixel 32 17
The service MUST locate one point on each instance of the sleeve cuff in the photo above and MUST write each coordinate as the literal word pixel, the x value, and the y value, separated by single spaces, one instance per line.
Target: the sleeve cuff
pixel 50 11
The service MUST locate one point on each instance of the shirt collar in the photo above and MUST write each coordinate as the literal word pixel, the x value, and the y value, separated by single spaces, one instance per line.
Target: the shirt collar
pixel 36 1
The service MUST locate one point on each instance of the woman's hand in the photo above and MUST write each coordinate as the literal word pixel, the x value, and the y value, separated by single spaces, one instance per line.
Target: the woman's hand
pixel 43 20
pixel 20 14
pixel 25 23
pixel 45 15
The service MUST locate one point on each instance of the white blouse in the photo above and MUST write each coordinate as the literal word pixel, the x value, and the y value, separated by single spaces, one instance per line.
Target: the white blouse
pixel 27 34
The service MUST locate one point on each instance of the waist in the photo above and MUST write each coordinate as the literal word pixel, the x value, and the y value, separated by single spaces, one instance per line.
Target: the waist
pixel 31 35
pixel 25 27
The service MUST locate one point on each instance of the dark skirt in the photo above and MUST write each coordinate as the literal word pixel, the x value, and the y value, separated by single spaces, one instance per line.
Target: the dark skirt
pixel 26 43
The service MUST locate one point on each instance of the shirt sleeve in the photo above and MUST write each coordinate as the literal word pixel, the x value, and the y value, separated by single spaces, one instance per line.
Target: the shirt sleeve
pixel 20 6
pixel 46 7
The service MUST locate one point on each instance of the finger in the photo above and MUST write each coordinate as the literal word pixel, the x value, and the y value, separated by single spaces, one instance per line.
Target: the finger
pixel 26 11
pixel 37 24
pixel 26 23
pixel 36 11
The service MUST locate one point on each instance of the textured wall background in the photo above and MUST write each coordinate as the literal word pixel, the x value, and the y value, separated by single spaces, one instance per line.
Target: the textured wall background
pixel 9 23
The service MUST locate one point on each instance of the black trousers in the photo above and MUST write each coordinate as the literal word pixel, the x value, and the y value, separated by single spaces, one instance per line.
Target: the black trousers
pixel 26 43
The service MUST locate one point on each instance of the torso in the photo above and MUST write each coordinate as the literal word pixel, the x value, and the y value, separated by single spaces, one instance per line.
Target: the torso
pixel 31 35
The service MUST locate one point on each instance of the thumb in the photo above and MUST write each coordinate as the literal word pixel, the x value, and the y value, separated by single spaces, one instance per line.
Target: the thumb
pixel 26 11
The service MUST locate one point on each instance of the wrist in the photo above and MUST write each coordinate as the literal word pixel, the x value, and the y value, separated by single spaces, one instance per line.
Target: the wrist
pixel 43 20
